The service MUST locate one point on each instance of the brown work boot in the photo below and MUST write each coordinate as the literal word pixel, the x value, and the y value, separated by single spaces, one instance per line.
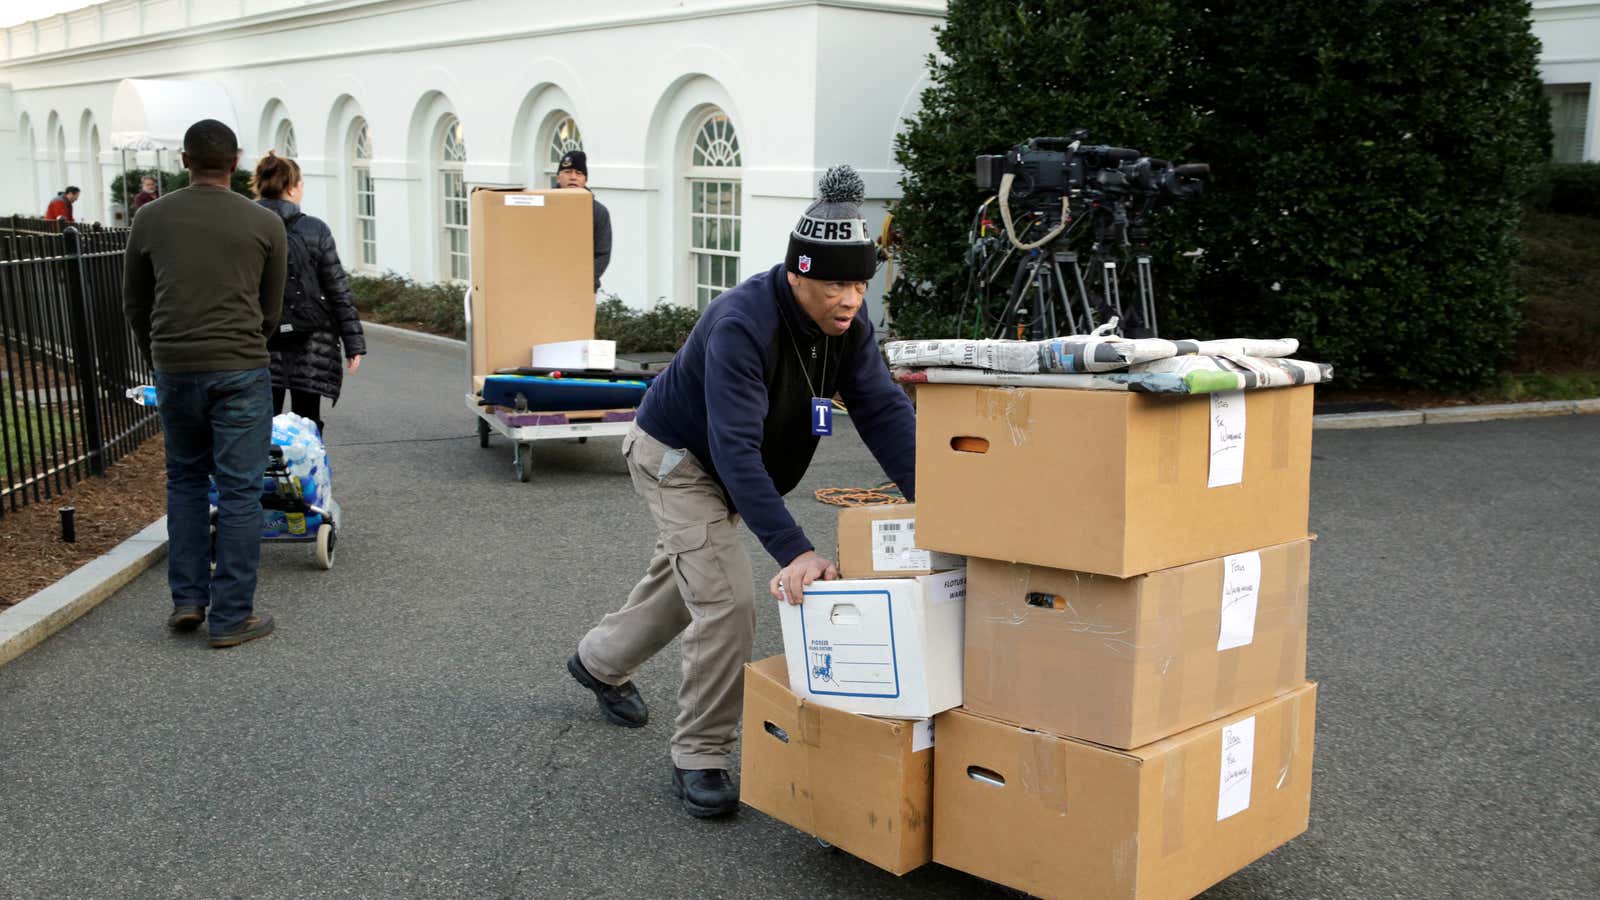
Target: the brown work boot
pixel 257 626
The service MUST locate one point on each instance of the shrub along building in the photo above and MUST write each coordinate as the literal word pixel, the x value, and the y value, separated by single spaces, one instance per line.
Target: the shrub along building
pixel 706 124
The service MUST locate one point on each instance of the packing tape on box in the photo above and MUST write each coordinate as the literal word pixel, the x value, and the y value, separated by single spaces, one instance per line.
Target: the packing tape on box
pixel 810 718
pixel 1296 588
pixel 1044 772
pixel 1280 437
pixel 1008 406
pixel 1169 441
pixel 1225 694
pixel 1000 664
pixel 1174 782
pixel 1290 731
pixel 1169 622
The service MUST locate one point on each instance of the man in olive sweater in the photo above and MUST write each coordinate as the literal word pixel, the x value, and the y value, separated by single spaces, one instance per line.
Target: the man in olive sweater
pixel 202 289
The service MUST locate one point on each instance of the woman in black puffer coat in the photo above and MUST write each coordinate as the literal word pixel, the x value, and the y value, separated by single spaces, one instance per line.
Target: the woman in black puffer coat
pixel 315 369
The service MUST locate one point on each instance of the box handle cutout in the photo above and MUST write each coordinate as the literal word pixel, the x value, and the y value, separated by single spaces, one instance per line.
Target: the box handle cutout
pixel 986 776
pixel 1046 601
pixel 844 614
pixel 777 732
pixel 964 444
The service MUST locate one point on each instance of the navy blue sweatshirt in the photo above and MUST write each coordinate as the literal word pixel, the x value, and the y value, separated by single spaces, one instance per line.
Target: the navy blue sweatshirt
pixel 737 397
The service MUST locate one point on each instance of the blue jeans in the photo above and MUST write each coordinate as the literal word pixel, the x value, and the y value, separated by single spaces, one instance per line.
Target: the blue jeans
pixel 218 425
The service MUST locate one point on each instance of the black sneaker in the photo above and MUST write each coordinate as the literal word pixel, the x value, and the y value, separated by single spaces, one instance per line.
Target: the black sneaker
pixel 257 626
pixel 621 704
pixel 706 793
pixel 186 618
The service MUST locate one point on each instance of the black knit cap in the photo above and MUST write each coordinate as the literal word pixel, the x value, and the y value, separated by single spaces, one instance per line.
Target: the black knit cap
pixel 574 159
pixel 830 242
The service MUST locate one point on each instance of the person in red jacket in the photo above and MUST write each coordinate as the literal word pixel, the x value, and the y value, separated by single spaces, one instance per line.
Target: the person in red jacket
pixel 61 206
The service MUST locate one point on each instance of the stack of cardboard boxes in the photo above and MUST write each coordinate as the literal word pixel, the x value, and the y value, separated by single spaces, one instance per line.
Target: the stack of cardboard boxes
pixel 838 732
pixel 1135 719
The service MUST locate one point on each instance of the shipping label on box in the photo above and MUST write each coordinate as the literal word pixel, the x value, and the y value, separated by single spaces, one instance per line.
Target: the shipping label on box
pixel 894 549
pixel 885 646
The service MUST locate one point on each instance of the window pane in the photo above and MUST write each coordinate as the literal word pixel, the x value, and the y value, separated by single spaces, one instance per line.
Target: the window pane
pixel 1569 115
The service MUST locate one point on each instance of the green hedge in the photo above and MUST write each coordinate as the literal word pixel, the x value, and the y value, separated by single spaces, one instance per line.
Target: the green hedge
pixel 663 329
pixel 1568 188
pixel 437 308
pixel 397 300
pixel 1368 162
pixel 171 181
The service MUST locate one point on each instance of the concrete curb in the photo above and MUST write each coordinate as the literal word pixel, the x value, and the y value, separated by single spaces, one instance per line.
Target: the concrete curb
pixel 28 623
pixel 1447 415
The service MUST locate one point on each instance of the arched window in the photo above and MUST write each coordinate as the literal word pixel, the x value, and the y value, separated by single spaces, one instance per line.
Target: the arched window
pixel 365 198
pixel 714 206
pixel 283 143
pixel 91 161
pixel 58 156
pixel 453 197
pixel 564 136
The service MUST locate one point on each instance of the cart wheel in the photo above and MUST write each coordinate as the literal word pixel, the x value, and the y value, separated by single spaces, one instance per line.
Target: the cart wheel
pixel 483 432
pixel 522 459
pixel 325 549
pixel 583 440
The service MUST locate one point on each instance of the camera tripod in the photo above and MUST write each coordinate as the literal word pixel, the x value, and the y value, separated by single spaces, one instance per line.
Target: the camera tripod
pixel 1055 291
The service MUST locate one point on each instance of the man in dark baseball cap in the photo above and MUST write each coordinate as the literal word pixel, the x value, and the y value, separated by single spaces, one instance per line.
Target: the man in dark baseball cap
pixel 574 173
pixel 725 431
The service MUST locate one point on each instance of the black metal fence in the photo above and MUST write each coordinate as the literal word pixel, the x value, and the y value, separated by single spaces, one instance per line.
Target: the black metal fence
pixel 67 359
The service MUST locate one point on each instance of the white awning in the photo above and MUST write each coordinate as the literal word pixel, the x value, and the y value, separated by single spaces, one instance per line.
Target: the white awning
pixel 153 114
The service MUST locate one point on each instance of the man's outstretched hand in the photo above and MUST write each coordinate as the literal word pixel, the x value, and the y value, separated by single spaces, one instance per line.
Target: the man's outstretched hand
pixel 790 583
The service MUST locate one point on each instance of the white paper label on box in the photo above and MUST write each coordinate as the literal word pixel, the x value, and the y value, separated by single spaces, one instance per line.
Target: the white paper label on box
pixel 1241 586
pixel 894 549
pixel 922 736
pixel 1238 759
pixel 1227 438
pixel 524 199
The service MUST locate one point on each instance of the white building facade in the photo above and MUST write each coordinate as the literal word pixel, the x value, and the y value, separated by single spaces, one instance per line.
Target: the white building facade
pixel 1569 65
pixel 706 122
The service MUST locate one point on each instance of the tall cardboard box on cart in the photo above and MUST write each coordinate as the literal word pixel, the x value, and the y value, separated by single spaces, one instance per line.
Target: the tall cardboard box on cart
pixel 532 274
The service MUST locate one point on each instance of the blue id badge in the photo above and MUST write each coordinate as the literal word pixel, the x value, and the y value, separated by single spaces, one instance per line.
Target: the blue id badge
pixel 821 416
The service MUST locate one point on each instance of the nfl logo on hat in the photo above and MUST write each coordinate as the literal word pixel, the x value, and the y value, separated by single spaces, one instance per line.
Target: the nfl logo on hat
pixel 805 264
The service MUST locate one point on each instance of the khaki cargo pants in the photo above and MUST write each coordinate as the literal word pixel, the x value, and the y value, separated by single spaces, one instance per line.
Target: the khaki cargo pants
pixel 698 584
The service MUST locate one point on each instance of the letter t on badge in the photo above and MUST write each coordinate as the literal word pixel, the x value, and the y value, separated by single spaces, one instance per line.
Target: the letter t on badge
pixel 821 416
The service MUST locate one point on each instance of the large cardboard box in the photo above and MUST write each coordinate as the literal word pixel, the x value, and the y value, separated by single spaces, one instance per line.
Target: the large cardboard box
pixel 1109 482
pixel 880 646
pixel 881 542
pixel 1057 817
pixel 1125 662
pixel 532 273
pixel 864 785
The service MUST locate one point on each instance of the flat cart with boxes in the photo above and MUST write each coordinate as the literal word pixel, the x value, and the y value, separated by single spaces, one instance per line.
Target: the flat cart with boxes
pixel 532 284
